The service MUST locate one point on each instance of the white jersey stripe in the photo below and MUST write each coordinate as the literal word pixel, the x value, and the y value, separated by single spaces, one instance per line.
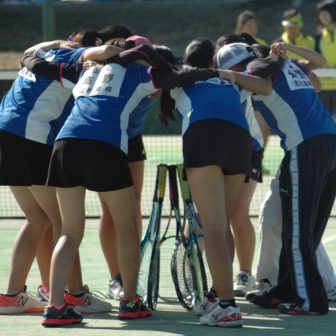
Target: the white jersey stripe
pixel 184 106
pixel 38 121
pixel 130 106
pixel 297 256
pixel 286 118
pixel 253 124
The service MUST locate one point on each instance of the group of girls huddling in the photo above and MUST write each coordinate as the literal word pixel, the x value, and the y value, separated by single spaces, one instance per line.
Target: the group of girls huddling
pixel 56 143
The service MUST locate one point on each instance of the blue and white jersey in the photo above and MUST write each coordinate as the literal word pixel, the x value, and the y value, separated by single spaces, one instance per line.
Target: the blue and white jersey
pixel 211 99
pixel 254 128
pixel 294 110
pixel 138 117
pixel 105 99
pixel 35 107
pixel 70 56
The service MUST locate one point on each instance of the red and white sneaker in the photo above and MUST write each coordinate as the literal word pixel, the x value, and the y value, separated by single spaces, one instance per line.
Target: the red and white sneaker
pixel 88 302
pixel 42 293
pixel 229 317
pixel 22 303
pixel 207 306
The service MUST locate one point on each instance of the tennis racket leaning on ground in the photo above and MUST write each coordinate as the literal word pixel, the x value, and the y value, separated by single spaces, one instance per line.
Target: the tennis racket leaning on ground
pixel 167 291
pixel 187 265
pixel 148 283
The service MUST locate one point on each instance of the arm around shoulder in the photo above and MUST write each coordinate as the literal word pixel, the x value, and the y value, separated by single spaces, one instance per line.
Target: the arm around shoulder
pixel 255 84
pixel 100 54
pixel 45 46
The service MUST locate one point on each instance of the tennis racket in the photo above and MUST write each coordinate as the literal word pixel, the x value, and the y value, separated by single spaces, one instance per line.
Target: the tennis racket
pixel 190 270
pixel 167 291
pixel 180 264
pixel 148 282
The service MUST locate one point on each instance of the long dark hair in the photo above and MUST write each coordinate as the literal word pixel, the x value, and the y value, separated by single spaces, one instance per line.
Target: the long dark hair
pixel 229 38
pixel 86 38
pixel 199 53
pixel 115 31
pixel 167 103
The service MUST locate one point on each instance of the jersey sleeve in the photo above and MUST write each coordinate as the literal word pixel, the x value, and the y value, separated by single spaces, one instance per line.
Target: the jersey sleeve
pixel 66 74
pixel 140 53
pixel 163 79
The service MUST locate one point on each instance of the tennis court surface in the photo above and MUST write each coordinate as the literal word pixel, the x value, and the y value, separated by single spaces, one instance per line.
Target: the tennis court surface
pixel 169 318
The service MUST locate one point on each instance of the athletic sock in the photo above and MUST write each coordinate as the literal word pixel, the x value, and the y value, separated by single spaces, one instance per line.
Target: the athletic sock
pixel 213 293
pixel 226 303
pixel 13 294
pixel 118 277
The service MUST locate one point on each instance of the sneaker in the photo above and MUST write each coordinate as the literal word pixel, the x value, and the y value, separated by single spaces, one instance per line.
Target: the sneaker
pixel 133 309
pixel 331 294
pixel 229 317
pixel 115 290
pixel 42 293
pixel 295 309
pixel 260 288
pixel 208 305
pixel 56 317
pixel 22 303
pixel 88 302
pixel 243 283
pixel 266 301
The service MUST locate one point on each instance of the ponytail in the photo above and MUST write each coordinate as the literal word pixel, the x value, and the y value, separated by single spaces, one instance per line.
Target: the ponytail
pixel 167 107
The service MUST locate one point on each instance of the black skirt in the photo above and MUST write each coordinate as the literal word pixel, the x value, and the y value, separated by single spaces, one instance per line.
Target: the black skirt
pixel 23 162
pixel 93 164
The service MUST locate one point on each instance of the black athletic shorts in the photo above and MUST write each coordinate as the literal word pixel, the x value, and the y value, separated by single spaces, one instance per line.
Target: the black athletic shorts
pixel 136 150
pixel 23 162
pixel 218 142
pixel 93 164
pixel 256 165
pixel 328 98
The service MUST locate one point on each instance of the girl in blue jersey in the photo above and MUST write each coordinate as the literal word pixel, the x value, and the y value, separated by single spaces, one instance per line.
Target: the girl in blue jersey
pixel 135 157
pixel 31 114
pixel 307 180
pixel 235 56
pixel 216 150
pixel 90 153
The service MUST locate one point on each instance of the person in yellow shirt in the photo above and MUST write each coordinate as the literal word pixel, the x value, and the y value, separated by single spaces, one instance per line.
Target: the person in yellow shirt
pixel 247 22
pixel 326 45
pixel 292 24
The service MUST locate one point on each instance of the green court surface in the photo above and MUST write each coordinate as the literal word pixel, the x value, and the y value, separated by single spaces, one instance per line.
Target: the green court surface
pixel 169 319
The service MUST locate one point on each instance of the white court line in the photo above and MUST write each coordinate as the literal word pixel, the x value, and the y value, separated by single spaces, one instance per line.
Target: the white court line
pixel 263 318
pixel 259 327
pixel 329 239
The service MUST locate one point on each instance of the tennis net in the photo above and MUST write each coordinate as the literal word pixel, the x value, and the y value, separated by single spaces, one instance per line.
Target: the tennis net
pixel 168 149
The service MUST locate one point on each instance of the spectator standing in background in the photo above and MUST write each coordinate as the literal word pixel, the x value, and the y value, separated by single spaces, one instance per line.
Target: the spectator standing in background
pixel 247 22
pixel 326 45
pixel 292 24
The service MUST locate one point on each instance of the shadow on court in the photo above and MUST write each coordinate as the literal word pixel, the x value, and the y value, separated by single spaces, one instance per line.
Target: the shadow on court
pixel 174 320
